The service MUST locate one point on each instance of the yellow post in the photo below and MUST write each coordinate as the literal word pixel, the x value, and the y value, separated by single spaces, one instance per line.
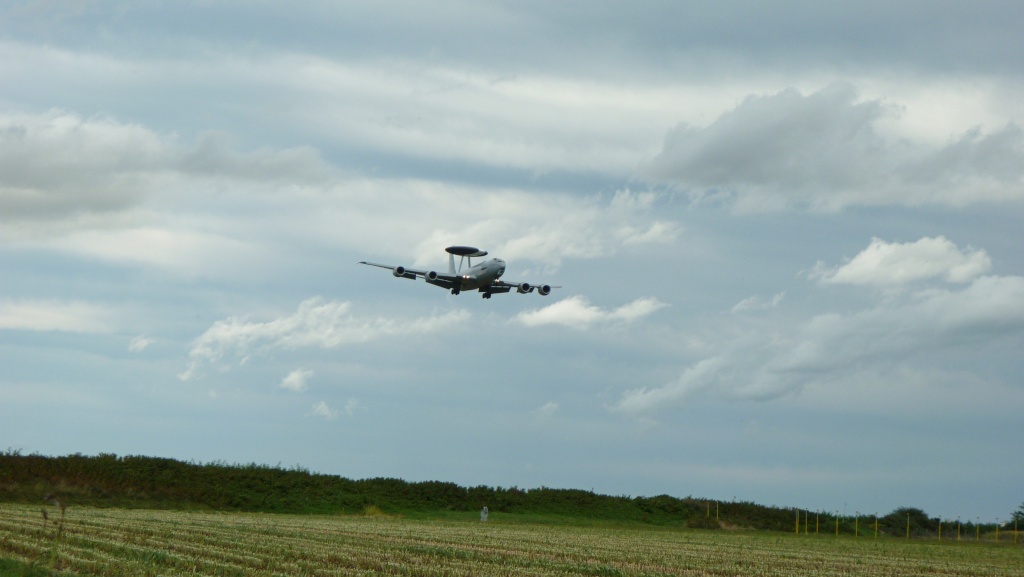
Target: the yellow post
pixel 977 529
pixel 1014 531
pixel 997 529
pixel 708 503
pixel 908 526
pixel 716 511
pixel 837 525
pixel 856 525
pixel 940 529
pixel 798 521
pixel 876 525
pixel 817 522
pixel 958 530
pixel 807 525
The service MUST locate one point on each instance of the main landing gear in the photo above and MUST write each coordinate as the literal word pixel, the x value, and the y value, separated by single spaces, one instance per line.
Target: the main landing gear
pixel 486 295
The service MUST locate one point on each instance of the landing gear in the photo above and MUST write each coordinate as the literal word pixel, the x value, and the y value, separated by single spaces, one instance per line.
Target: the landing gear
pixel 455 291
pixel 486 295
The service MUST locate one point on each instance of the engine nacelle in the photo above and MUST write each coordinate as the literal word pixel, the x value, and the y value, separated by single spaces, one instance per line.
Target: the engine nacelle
pixel 432 275
pixel 525 288
pixel 400 272
pixel 544 289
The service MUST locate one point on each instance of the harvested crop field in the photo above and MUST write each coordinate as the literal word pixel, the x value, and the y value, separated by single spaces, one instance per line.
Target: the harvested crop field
pixel 145 542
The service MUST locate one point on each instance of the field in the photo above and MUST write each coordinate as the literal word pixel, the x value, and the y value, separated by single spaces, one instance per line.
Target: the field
pixel 146 542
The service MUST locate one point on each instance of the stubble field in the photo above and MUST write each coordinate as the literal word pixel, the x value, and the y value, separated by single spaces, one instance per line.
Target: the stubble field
pixel 142 542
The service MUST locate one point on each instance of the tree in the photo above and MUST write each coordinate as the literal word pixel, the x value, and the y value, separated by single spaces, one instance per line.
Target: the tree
pixel 1018 515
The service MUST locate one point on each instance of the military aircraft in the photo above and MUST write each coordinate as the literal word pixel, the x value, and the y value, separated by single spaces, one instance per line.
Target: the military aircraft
pixel 484 277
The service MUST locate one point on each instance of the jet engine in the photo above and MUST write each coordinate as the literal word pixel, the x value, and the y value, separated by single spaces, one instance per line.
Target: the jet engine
pixel 400 272
pixel 525 288
pixel 432 275
pixel 544 289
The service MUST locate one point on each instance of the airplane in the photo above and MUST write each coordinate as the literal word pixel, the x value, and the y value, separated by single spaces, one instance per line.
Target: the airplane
pixel 484 277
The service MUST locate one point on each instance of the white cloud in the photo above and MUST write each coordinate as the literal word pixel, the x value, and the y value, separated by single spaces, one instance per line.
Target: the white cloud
pixel 297 380
pixel 351 406
pixel 322 409
pixel 526 227
pixel 139 343
pixel 824 152
pixel 547 411
pixel 576 312
pixel 316 324
pixel 168 246
pixel 904 332
pixel 884 264
pixel 702 375
pixel 125 193
pixel 756 303
pixel 54 315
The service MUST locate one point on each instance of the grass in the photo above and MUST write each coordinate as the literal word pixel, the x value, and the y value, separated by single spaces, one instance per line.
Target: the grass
pixel 148 542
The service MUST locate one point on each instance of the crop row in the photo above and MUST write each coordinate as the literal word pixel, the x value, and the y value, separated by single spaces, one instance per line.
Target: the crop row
pixel 118 542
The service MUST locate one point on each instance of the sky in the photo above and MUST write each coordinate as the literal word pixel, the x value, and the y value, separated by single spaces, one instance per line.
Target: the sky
pixel 786 235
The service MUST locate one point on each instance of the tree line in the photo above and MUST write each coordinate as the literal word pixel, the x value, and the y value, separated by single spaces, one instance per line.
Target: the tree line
pixel 107 480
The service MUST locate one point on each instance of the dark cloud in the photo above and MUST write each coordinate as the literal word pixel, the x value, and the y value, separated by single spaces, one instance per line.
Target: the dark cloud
pixel 58 164
pixel 822 151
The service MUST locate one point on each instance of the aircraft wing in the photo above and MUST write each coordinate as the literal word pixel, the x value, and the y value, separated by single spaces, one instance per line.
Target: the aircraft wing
pixel 501 286
pixel 434 278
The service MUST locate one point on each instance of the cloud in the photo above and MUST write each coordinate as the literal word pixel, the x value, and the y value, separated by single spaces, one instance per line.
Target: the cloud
pixel 58 164
pixel 316 324
pixel 576 312
pixel 126 193
pixel 297 380
pixel 884 264
pixel 756 303
pixel 547 411
pixel 322 409
pixel 907 332
pixel 139 344
pixel 54 315
pixel 823 152
pixel 351 406
pixel 545 228
pixel 58 167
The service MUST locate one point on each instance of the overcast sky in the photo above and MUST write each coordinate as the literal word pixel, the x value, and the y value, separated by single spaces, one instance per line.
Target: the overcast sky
pixel 788 236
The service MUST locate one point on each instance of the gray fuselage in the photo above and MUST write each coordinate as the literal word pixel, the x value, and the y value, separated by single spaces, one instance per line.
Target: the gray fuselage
pixel 481 275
